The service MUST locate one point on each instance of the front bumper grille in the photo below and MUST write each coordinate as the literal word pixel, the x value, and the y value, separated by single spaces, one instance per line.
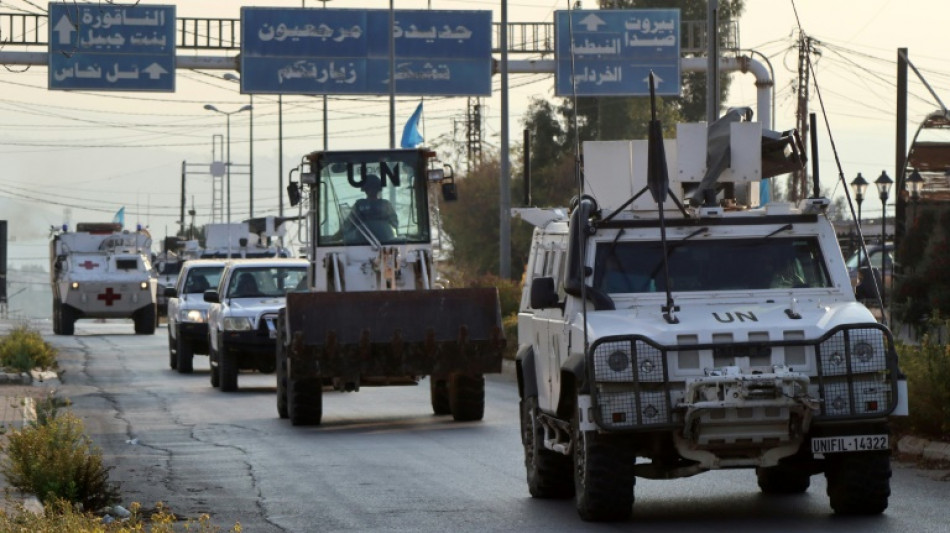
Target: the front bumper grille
pixel 849 373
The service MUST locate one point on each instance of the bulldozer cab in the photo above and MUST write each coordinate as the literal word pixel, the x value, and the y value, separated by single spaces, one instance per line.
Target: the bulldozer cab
pixel 370 197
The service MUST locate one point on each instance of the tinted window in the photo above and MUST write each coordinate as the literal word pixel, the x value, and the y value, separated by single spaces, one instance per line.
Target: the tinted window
pixel 737 264
pixel 255 282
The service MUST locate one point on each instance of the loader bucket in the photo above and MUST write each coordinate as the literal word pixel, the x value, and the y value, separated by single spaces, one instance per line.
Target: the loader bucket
pixel 394 333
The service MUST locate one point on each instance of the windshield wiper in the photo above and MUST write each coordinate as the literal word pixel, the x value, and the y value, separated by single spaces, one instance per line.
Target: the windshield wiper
pixel 786 227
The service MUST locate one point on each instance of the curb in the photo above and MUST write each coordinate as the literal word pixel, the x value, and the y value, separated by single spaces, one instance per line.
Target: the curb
pixel 924 449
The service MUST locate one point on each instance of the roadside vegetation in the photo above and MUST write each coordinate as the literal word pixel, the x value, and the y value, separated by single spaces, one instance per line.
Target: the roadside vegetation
pixel 24 349
pixel 53 459
pixel 927 367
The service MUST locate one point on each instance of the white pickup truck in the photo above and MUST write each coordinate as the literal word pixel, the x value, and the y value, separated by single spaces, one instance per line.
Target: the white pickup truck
pixel 188 311
pixel 242 316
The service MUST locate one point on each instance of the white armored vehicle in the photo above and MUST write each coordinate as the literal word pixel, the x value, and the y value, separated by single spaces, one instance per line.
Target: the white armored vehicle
pixel 718 334
pixel 101 271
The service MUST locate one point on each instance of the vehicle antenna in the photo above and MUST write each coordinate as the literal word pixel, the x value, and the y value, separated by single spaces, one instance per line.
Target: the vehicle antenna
pixel 658 180
pixel 578 175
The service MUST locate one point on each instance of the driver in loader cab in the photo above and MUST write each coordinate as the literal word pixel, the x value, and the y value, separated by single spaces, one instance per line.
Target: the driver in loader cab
pixel 375 212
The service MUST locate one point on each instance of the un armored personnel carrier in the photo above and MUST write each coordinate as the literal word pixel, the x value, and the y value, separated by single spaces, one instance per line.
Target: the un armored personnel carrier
pixel 372 314
pixel 661 338
pixel 101 271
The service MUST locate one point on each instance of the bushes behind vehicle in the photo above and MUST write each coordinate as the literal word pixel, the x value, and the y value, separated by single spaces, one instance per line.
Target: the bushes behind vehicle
pixel 927 367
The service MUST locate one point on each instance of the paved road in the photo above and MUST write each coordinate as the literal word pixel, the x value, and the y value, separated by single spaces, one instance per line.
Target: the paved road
pixel 383 462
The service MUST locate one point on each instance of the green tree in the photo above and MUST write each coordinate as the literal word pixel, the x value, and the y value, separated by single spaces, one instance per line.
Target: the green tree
pixel 472 223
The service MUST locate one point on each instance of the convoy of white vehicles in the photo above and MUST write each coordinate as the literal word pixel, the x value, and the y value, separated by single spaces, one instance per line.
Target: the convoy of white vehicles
pixel 657 338
pixel 723 334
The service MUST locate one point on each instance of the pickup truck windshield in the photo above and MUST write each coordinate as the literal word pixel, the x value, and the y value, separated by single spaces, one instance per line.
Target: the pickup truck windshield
pixel 711 265
pixel 256 282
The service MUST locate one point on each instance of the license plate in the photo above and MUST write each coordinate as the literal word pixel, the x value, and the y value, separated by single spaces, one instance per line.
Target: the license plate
pixel 850 443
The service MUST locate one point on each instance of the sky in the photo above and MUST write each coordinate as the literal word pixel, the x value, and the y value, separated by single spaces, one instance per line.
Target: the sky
pixel 80 156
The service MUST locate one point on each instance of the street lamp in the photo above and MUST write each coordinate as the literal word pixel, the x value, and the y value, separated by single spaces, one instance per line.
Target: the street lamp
pixel 250 168
pixel 210 107
pixel 916 183
pixel 859 185
pixel 883 184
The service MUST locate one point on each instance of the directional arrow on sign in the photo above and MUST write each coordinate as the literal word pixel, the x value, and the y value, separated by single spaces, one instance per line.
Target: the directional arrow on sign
pixel 592 21
pixel 657 81
pixel 155 71
pixel 64 27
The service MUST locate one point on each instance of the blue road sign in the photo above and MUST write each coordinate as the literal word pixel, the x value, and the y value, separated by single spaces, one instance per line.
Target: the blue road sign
pixel 346 51
pixel 611 52
pixel 108 47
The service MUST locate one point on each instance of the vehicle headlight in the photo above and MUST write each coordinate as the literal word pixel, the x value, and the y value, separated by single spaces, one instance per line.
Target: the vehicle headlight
pixel 612 362
pixel 194 315
pixel 618 361
pixel 74 285
pixel 238 324
pixel 143 285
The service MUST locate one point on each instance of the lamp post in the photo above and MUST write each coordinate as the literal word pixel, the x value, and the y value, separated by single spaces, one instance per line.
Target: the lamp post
pixel 916 183
pixel 883 184
pixel 210 107
pixel 325 128
pixel 250 168
pixel 859 185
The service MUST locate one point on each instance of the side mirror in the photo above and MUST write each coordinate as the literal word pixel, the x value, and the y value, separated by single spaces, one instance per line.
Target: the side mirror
pixel 543 294
pixel 211 296
pixel 293 193
pixel 449 192
pixel 170 292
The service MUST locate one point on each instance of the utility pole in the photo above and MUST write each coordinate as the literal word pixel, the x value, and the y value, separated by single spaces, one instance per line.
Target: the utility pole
pixel 798 189
pixel 473 133
pixel 900 205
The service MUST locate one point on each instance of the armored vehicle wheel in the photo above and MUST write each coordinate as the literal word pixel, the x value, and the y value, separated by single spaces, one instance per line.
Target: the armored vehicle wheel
pixel 783 479
pixel 858 482
pixel 67 320
pixel 549 473
pixel 57 329
pixel 228 370
pixel 172 351
pixel 213 362
pixel 145 320
pixel 439 392
pixel 184 355
pixel 603 474
pixel 305 401
pixel 467 397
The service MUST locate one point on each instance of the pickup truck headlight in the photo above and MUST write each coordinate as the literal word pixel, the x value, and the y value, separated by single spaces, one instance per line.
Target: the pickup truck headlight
pixel 194 315
pixel 238 324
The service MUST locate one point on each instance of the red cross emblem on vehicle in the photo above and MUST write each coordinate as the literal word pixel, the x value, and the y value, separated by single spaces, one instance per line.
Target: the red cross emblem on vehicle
pixel 109 296
pixel 89 265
